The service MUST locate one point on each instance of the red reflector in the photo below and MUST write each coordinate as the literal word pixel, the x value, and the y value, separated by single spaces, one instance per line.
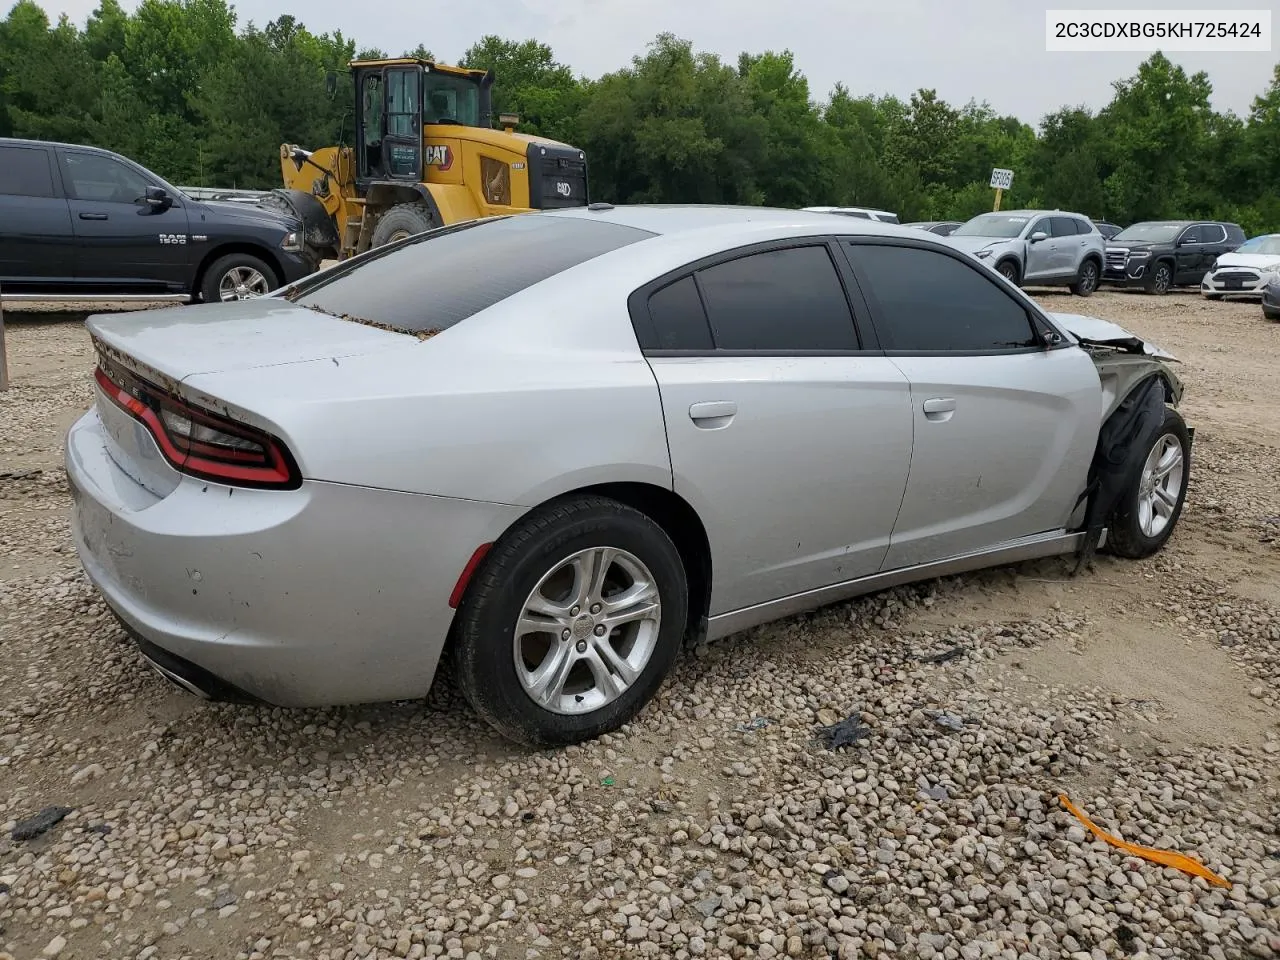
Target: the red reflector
pixel 468 572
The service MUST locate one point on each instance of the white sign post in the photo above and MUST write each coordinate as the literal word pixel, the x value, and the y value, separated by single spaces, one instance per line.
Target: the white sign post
pixel 1001 180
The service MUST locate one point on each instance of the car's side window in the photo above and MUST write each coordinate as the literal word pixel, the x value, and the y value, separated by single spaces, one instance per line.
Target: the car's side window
pixel 1082 226
pixel 679 319
pixel 91 176
pixel 1062 227
pixel 930 302
pixel 24 172
pixel 1192 234
pixel 783 300
pixel 1043 225
pixel 1213 233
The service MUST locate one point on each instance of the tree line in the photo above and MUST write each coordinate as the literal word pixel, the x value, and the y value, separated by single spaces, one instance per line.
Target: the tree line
pixel 179 88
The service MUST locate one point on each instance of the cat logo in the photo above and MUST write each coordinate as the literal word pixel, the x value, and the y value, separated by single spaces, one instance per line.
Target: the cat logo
pixel 439 155
pixel 563 188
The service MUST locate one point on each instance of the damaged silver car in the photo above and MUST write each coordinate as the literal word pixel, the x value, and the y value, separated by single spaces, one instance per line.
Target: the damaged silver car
pixel 652 425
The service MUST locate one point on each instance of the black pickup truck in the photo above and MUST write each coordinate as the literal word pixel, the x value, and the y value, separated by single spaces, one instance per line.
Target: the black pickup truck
pixel 81 221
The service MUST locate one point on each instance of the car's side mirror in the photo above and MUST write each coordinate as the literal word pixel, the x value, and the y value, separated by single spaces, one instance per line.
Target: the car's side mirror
pixel 1038 236
pixel 156 198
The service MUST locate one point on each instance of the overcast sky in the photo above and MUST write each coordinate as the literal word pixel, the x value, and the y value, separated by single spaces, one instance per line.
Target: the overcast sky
pixel 989 50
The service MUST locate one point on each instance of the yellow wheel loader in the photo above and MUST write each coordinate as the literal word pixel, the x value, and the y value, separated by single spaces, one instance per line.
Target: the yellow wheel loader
pixel 425 155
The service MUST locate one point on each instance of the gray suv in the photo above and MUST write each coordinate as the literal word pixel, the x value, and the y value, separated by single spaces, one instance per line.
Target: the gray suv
pixel 1036 247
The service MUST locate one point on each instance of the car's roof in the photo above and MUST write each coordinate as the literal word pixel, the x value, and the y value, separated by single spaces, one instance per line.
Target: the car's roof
pixel 841 209
pixel 21 142
pixel 669 218
pixel 1033 213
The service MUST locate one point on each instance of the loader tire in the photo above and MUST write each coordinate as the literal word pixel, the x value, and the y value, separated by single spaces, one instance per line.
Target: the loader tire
pixel 402 220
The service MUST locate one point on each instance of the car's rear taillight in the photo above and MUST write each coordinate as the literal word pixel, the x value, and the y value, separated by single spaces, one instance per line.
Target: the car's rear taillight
pixel 196 441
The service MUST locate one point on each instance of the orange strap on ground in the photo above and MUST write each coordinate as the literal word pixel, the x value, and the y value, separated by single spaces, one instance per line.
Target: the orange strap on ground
pixel 1165 858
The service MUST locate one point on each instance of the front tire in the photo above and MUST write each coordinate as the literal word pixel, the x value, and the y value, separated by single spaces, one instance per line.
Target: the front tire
pixel 572 622
pixel 1152 504
pixel 237 276
pixel 1086 281
pixel 401 221
pixel 1270 314
pixel 1009 270
pixel 1161 278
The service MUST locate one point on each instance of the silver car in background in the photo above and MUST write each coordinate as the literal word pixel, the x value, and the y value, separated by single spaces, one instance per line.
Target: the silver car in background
pixel 1036 247
pixel 650 426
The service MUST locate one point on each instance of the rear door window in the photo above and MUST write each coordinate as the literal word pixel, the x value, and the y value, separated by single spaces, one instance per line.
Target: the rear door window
pixel 778 300
pixel 436 279
pixel 678 317
pixel 24 172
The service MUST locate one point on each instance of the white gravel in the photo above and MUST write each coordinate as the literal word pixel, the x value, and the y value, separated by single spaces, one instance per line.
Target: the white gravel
pixel 715 825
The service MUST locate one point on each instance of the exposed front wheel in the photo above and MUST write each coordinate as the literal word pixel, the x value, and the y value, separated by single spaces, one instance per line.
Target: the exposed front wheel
pixel 1086 279
pixel 572 623
pixel 1009 270
pixel 1152 504
pixel 1161 279
pixel 237 276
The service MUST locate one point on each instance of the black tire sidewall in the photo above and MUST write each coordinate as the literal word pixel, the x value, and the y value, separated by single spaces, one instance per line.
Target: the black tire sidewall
pixel 404 216
pixel 1078 288
pixel 1153 287
pixel 212 280
pixel 1009 270
pixel 484 656
pixel 1126 534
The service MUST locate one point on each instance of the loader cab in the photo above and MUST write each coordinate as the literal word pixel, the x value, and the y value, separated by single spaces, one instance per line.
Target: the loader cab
pixel 395 98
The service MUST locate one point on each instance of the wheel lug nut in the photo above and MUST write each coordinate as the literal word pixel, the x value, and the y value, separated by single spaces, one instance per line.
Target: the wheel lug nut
pixel 582 646
pixel 575 611
pixel 600 631
pixel 564 635
pixel 595 608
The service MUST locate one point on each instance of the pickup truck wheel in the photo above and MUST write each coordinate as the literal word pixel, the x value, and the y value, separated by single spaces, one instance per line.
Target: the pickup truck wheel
pixel 401 221
pixel 1160 279
pixel 1152 504
pixel 1009 270
pixel 237 276
pixel 1086 279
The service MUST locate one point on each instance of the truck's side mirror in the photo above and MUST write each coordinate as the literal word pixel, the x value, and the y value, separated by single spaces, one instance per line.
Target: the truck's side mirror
pixel 330 84
pixel 156 198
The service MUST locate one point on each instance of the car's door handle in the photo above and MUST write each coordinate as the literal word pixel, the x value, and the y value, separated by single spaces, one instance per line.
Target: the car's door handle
pixel 939 408
pixel 93 216
pixel 712 414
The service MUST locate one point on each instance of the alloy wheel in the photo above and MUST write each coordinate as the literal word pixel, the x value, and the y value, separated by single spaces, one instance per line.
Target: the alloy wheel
pixel 1160 486
pixel 242 283
pixel 587 630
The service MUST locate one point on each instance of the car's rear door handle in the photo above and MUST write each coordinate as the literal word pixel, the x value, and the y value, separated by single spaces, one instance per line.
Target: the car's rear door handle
pixel 712 414
pixel 93 216
pixel 939 408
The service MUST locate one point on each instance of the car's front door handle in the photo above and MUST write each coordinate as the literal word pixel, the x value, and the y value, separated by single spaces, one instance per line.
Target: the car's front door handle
pixel 939 408
pixel 712 414
pixel 93 216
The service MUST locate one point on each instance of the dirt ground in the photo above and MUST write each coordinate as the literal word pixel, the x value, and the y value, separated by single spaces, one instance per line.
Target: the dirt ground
pixel 1148 691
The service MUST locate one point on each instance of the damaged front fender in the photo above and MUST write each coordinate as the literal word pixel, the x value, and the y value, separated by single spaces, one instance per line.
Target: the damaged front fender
pixel 1124 360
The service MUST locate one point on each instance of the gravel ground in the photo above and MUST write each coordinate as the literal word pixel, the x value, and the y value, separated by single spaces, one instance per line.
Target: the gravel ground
pixel 715 825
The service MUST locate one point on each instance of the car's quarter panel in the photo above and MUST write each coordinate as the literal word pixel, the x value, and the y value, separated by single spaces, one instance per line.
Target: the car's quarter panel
pixel 1012 459
pixel 330 593
pixel 800 486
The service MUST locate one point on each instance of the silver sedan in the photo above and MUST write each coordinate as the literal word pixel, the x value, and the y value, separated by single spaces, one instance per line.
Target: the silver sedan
pixel 557 447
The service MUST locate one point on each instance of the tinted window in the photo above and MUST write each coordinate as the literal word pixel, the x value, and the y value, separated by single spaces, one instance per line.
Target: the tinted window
pixel 91 176
pixel 679 321
pixel 1212 233
pixel 1234 233
pixel 24 172
pixel 436 279
pixel 1082 226
pixel 780 300
pixel 933 302
pixel 1043 225
pixel 1062 227
pixel 856 213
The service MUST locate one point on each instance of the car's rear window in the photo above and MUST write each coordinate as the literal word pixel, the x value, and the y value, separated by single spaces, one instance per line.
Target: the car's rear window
pixel 430 282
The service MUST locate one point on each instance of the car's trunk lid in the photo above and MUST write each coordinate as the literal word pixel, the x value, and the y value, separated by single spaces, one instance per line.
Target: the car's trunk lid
pixel 170 345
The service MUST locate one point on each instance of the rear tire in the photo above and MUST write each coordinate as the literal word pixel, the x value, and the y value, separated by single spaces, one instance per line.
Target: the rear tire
pixel 1151 506
pixel 401 221
pixel 590 675
pixel 237 276
pixel 1270 314
pixel 1160 279
pixel 1009 270
pixel 1086 279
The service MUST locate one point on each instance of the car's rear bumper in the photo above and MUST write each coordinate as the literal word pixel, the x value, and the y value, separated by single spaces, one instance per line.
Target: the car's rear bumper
pixel 327 594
